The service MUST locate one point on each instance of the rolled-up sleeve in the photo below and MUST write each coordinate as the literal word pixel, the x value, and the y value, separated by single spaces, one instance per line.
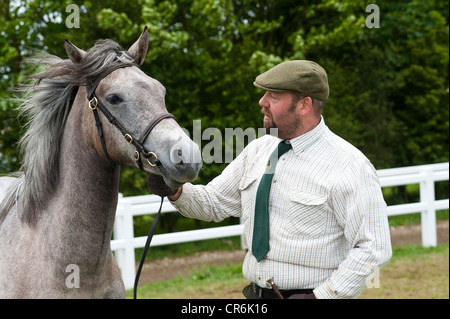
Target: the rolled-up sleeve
pixel 218 199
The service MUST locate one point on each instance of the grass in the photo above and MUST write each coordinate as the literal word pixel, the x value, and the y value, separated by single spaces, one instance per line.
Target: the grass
pixel 414 272
pixel 206 283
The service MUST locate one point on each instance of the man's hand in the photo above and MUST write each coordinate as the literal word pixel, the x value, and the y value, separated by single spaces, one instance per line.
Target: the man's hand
pixel 157 186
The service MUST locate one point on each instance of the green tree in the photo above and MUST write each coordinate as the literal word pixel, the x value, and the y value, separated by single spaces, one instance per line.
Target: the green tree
pixel 389 85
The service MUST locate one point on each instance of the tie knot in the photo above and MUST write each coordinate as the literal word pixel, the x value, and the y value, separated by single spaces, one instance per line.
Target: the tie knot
pixel 283 147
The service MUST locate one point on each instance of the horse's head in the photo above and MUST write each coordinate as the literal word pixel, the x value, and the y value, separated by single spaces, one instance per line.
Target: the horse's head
pixel 133 101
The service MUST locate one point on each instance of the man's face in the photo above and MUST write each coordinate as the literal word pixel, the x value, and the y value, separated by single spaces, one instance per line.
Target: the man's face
pixel 279 112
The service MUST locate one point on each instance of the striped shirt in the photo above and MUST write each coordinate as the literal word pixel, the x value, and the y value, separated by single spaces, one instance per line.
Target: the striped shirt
pixel 328 223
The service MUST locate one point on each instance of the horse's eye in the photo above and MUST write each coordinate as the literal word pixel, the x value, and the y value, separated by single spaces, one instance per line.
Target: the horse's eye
pixel 114 99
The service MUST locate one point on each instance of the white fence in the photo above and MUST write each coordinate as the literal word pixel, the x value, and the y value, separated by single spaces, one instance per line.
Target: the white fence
pixel 124 242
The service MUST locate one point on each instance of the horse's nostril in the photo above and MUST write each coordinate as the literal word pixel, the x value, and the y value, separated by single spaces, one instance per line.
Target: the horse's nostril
pixel 176 155
pixel 180 154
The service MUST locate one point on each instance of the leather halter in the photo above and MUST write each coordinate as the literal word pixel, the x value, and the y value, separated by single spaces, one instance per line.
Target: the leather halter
pixel 95 104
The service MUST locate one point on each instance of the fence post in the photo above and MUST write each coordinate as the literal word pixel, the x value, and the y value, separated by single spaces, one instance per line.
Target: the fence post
pixel 428 216
pixel 123 230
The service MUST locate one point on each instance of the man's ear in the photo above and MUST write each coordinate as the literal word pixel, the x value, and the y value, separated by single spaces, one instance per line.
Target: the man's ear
pixel 75 54
pixel 138 50
pixel 305 105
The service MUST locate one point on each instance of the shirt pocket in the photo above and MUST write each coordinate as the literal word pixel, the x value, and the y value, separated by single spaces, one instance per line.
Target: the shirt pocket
pixel 246 181
pixel 247 188
pixel 306 213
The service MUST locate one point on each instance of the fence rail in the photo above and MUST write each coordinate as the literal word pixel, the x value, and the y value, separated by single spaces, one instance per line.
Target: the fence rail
pixel 124 242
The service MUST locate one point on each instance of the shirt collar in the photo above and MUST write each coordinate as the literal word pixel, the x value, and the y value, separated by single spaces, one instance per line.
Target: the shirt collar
pixel 302 142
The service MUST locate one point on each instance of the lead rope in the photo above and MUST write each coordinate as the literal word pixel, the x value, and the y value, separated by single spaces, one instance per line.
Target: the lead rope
pixel 147 245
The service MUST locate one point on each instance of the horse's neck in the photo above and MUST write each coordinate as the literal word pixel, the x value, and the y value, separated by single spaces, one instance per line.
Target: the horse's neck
pixel 83 207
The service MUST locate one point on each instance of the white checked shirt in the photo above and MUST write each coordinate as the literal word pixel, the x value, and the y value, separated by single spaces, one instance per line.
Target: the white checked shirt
pixel 328 223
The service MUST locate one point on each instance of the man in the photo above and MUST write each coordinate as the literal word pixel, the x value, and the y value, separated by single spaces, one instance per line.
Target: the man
pixel 315 219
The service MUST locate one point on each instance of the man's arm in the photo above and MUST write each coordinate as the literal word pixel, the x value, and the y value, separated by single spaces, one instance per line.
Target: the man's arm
pixel 216 201
pixel 360 209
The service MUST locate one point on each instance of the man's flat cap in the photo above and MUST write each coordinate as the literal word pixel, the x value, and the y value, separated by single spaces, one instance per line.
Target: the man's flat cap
pixel 306 77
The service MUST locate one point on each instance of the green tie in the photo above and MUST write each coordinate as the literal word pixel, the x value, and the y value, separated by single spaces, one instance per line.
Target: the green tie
pixel 260 243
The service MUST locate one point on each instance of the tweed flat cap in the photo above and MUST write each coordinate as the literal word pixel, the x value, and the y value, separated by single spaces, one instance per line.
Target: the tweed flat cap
pixel 306 77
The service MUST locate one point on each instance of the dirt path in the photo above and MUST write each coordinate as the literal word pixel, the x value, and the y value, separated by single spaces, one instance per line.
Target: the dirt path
pixel 168 268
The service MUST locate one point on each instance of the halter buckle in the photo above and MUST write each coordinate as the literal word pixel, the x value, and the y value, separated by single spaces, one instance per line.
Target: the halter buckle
pixel 147 156
pixel 93 103
pixel 129 138
pixel 156 161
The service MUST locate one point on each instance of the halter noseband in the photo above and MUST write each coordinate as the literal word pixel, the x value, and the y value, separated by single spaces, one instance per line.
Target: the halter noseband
pixel 95 104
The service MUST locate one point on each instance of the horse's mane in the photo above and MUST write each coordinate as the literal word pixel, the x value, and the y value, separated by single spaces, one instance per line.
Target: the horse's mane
pixel 46 104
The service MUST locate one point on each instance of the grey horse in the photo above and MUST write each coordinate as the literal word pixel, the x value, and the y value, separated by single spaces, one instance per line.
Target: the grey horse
pixel 57 215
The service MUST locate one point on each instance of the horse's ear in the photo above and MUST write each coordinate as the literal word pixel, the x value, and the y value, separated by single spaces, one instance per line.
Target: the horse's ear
pixel 138 50
pixel 75 54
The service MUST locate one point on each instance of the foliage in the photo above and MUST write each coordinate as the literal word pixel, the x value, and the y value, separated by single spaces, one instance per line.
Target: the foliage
pixel 389 85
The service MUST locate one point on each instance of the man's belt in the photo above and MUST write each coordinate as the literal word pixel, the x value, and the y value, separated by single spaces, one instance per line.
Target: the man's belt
pixel 266 293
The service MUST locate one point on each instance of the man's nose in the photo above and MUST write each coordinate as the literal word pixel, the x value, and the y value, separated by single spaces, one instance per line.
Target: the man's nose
pixel 263 101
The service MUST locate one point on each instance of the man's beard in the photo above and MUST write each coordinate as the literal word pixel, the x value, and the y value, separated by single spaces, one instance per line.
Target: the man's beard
pixel 286 131
pixel 270 127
